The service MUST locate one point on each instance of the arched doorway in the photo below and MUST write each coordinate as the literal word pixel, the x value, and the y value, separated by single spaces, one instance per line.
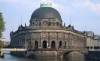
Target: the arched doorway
pixel 60 44
pixel 44 44
pixel 29 44
pixel 73 55
pixel 53 44
pixel 36 44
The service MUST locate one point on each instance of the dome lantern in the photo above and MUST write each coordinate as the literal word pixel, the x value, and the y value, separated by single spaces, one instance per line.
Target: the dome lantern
pixel 46 5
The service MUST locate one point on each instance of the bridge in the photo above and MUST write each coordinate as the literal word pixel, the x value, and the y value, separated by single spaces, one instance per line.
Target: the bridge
pixel 2 50
pixel 56 52
pixel 94 49
pixel 64 52
pixel 60 52
pixel 13 49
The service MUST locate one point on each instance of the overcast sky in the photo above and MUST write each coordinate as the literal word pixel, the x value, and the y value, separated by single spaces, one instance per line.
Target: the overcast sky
pixel 85 14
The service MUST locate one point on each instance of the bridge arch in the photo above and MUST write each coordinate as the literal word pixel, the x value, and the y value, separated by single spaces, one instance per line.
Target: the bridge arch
pixel 73 55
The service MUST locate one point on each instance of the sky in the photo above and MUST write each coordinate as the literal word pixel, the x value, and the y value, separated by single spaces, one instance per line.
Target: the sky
pixel 85 14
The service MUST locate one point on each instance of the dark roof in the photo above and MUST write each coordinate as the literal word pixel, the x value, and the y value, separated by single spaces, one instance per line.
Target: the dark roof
pixel 89 33
pixel 96 37
pixel 46 13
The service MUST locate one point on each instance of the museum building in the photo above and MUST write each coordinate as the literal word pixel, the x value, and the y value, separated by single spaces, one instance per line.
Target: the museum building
pixel 47 31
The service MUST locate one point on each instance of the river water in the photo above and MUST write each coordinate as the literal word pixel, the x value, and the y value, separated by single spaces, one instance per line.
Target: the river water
pixel 9 57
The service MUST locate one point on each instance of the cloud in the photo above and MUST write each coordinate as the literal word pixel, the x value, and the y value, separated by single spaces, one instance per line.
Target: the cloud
pixel 81 4
pixel 63 0
pixel 88 5
pixel 9 1
pixel 50 1
pixel 96 8
pixel 35 3
pixel 60 7
pixel 85 4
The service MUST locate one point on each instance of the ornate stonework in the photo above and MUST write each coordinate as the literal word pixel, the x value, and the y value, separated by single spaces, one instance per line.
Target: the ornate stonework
pixel 47 33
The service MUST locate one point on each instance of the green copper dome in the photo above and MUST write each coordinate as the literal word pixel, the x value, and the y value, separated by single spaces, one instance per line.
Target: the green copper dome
pixel 45 12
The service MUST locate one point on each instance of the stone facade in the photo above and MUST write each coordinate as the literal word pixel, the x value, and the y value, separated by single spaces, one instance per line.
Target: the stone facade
pixel 89 41
pixel 93 40
pixel 47 33
pixel 48 38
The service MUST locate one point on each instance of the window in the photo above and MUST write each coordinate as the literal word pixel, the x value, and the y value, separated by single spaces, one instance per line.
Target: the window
pixel 44 35
pixel 28 36
pixel 36 23
pixel 45 23
pixel 36 35
pixel 60 36
pixel 33 23
pixel 53 35
pixel 66 36
pixel 57 23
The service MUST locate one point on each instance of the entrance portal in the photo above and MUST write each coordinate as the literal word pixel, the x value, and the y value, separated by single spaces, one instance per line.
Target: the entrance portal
pixel 60 44
pixel 44 44
pixel 53 44
pixel 36 44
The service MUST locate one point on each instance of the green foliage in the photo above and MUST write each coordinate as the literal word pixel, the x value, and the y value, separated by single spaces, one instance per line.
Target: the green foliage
pixel 1 44
pixel 2 24
pixel 68 56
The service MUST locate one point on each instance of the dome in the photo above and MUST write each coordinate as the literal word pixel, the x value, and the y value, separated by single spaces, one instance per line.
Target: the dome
pixel 46 12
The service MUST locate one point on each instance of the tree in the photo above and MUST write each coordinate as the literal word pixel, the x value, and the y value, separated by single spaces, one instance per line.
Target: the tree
pixel 2 24
pixel 1 44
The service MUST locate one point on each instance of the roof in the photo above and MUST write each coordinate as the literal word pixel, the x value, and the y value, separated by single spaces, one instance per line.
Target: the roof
pixel 46 13
pixel 89 33
pixel 46 5
pixel 96 37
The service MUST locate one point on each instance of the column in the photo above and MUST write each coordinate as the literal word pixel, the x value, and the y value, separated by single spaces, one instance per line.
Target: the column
pixel 57 42
pixel 39 41
pixel 49 43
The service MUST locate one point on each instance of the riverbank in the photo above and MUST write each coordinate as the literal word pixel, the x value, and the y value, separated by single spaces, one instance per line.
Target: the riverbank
pixel 95 55
pixel 1 54
pixel 45 55
pixel 9 57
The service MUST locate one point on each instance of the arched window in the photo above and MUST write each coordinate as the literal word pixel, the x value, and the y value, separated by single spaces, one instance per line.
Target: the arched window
pixel 60 44
pixel 44 44
pixel 53 44
pixel 45 23
pixel 29 44
pixel 57 23
pixel 39 23
pixel 33 23
pixel 36 44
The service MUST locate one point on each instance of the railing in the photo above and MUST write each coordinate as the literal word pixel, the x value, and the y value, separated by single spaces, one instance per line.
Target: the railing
pixel 93 49
pixel 13 49
pixel 72 48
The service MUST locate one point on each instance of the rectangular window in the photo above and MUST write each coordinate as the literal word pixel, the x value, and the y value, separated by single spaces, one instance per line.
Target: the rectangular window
pixel 53 35
pixel 44 35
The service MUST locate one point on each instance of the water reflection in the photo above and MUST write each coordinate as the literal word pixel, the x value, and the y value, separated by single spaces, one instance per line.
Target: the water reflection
pixel 75 56
pixel 9 57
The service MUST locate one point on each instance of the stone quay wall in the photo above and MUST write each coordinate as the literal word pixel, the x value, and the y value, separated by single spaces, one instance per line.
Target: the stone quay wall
pixel 93 55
